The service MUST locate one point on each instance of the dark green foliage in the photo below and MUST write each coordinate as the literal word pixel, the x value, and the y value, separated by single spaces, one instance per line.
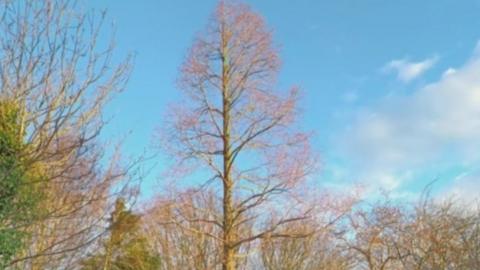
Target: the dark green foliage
pixel 126 248
pixel 17 197
pixel 11 174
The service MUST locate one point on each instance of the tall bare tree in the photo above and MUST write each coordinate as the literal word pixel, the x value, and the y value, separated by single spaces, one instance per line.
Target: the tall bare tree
pixel 235 126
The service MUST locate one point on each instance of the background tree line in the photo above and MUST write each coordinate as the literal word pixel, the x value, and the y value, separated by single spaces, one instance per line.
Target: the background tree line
pixel 66 202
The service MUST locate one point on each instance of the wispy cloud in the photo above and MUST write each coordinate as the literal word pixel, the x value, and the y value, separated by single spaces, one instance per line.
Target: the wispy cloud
pixel 406 70
pixel 436 126
pixel 464 188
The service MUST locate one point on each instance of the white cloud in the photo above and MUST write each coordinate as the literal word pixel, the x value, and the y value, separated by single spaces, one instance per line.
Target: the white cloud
pixel 449 71
pixel 407 70
pixel 429 130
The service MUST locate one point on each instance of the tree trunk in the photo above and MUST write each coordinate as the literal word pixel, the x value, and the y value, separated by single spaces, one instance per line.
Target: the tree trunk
pixel 228 211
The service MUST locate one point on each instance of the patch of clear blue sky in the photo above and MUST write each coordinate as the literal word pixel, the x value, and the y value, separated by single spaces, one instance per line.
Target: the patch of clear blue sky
pixel 333 49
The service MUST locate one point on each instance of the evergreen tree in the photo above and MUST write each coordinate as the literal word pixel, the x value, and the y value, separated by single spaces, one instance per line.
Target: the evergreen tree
pixel 126 248
pixel 17 189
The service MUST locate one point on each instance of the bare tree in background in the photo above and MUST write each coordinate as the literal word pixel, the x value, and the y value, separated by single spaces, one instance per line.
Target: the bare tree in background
pixel 407 235
pixel 53 67
pixel 177 233
pixel 374 236
pixel 442 235
pixel 235 126
pixel 320 250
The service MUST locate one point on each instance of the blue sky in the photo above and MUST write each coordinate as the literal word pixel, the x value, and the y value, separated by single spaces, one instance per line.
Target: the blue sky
pixel 390 87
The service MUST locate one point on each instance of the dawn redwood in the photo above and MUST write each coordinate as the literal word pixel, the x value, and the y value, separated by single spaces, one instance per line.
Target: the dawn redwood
pixel 234 125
